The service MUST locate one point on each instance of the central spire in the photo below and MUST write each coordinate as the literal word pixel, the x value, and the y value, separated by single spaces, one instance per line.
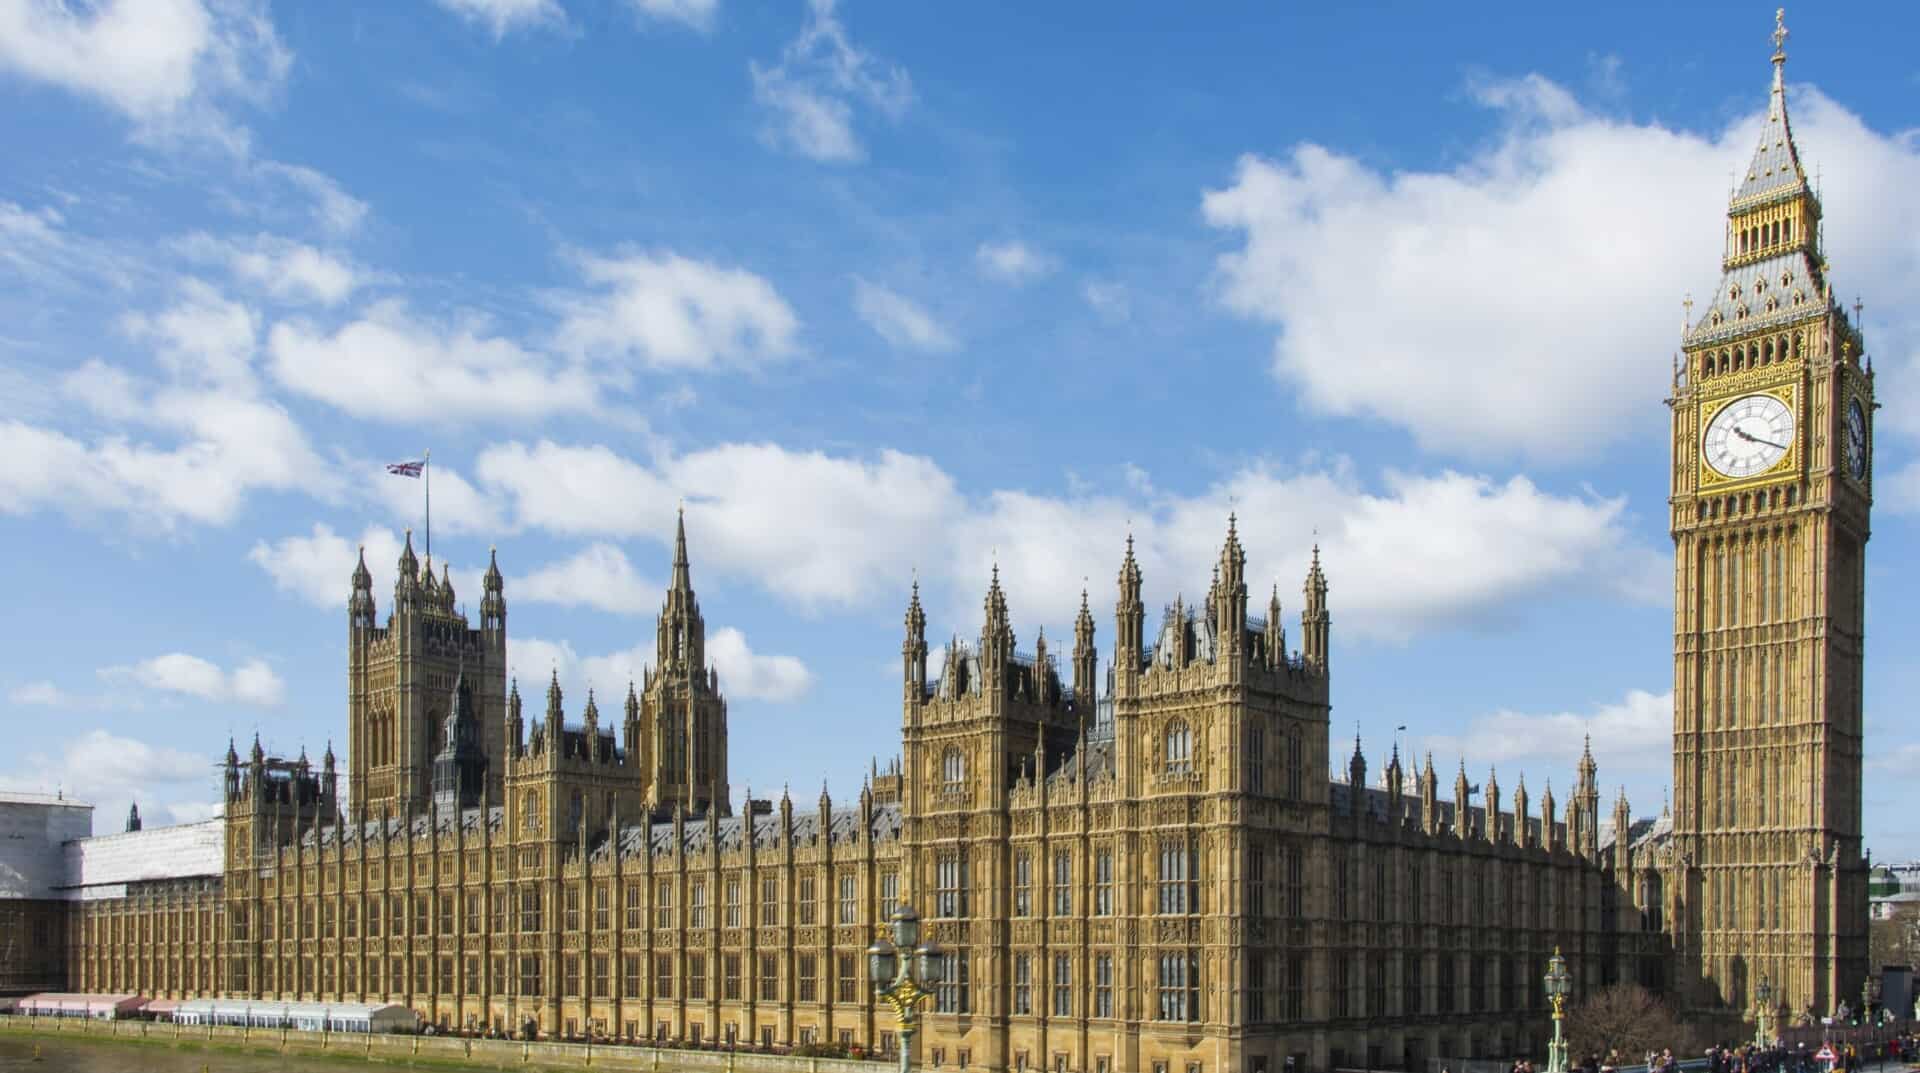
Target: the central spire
pixel 682 575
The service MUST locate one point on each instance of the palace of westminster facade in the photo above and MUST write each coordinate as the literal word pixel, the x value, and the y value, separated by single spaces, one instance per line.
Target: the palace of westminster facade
pixel 1163 867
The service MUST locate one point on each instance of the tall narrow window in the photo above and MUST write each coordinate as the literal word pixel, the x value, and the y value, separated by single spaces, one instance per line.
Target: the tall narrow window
pixel 809 978
pixel 1103 986
pixel 1257 760
pixel 733 903
pixel 849 900
pixel 1179 877
pixel 1062 884
pixel 805 909
pixel 950 885
pixel 1179 748
pixel 1103 883
pixel 1022 885
pixel 953 771
pixel 1022 984
pixel 1062 985
pixel 953 993
pixel 1296 884
pixel 1257 881
pixel 696 903
pixel 1179 987
pixel 770 900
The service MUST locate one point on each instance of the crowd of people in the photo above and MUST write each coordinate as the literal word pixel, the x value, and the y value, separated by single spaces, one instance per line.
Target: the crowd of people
pixel 1901 1051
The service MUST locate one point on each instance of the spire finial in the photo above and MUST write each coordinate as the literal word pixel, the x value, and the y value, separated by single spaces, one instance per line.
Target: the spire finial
pixel 682 578
pixel 1780 35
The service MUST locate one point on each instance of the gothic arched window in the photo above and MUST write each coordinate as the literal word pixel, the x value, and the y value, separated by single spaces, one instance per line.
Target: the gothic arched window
pixel 530 805
pixel 953 771
pixel 1179 747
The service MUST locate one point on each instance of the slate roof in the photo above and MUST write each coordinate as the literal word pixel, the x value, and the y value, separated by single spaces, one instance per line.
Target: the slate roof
pixel 1774 290
pixel 1340 800
pixel 1775 170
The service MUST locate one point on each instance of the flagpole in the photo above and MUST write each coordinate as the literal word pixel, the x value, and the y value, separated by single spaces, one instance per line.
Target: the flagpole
pixel 426 472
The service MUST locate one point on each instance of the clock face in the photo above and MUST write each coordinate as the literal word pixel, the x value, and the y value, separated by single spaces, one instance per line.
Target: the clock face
pixel 1748 436
pixel 1856 440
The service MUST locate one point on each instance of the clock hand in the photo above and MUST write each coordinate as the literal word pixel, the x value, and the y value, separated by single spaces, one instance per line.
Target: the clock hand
pixel 1751 438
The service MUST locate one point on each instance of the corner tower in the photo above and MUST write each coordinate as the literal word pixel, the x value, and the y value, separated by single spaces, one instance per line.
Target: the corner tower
pixel 402 683
pixel 1772 430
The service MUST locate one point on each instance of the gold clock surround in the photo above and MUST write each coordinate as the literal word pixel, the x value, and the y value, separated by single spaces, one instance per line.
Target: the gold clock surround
pixel 1784 470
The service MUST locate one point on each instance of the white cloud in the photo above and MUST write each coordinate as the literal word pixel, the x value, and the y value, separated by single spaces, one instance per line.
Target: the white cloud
pixel 811 527
pixel 811 91
pixel 1109 299
pixel 598 576
pixel 1632 734
pixel 501 16
pixel 1632 742
pixel 749 675
pixel 665 311
pixel 1405 553
pixel 1013 261
pixel 204 337
pixel 697 14
pixel 390 366
pixel 578 491
pixel 458 507
pixel 319 568
pixel 162 63
pixel 39 693
pixel 289 271
pixel 537 660
pixel 897 319
pixel 744 674
pixel 110 772
pixel 1460 303
pixel 1412 553
pixel 252 683
pixel 228 443
pixel 196 811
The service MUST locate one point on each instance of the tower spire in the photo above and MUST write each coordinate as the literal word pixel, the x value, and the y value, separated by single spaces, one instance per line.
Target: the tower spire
pixel 682 576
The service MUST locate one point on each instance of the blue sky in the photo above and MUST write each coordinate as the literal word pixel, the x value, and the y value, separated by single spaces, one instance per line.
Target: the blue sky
pixel 883 290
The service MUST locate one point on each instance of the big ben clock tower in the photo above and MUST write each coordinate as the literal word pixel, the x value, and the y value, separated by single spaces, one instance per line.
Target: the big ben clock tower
pixel 1772 485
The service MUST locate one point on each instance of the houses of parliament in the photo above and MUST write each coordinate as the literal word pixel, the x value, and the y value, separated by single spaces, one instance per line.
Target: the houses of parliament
pixel 1169 864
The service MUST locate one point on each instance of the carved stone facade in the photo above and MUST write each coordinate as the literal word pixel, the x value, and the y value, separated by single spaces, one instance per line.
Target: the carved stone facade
pixel 1156 869
pixel 1772 486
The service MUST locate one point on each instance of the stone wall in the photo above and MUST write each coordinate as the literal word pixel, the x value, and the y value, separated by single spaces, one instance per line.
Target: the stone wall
pixel 442 1050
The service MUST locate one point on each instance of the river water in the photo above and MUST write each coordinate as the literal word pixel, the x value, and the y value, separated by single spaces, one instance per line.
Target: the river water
pixel 84 1056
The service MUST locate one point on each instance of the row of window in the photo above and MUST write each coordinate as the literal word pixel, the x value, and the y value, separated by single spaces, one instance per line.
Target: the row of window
pixel 438 910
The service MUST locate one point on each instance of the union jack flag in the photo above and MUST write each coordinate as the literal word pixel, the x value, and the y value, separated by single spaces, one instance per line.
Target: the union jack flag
pixel 406 469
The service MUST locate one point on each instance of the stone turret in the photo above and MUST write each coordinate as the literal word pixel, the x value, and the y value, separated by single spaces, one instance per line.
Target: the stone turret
pixel 913 652
pixel 1315 622
pixel 1086 663
pixel 1129 622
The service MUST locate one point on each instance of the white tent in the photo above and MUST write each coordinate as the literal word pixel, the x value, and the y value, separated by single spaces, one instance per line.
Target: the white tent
pixel 66 1004
pixel 304 1016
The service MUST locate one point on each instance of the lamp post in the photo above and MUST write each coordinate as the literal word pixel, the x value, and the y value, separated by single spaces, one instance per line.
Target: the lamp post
pixel 1559 985
pixel 904 973
pixel 1763 1026
pixel 1869 993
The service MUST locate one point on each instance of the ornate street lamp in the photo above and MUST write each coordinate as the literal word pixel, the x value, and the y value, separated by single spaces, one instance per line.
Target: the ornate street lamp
pixel 1559 986
pixel 904 973
pixel 1763 1024
pixel 1869 994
